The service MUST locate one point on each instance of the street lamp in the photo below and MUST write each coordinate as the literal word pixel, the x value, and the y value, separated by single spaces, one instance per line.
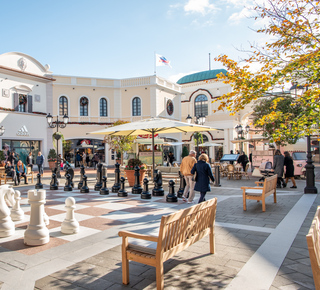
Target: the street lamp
pixel 296 90
pixel 2 129
pixel 57 125
pixel 241 132
pixel 199 120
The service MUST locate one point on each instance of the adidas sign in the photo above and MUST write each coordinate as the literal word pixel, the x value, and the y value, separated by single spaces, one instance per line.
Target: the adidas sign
pixel 23 131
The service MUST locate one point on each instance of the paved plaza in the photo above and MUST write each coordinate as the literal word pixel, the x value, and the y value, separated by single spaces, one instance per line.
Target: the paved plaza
pixel 254 249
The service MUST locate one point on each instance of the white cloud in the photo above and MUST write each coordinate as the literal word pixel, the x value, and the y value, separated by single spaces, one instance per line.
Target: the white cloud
pixel 199 6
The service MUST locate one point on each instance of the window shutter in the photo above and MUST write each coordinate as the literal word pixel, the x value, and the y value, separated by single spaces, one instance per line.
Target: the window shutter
pixel 29 103
pixel 16 101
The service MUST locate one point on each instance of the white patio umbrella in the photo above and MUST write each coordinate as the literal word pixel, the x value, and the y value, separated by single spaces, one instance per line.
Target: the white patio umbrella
pixel 153 126
pixel 208 144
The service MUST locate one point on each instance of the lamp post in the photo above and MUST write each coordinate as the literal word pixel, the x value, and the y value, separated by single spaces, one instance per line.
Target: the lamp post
pixel 57 125
pixel 199 120
pixel 310 178
pixel 241 132
pixel 2 130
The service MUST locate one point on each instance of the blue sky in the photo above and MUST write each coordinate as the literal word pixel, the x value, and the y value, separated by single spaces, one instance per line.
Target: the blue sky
pixel 118 38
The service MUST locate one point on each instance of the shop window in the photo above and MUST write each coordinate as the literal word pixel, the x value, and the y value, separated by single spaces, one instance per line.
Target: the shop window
pixel 201 105
pixel 84 103
pixel 136 106
pixel 103 107
pixel 22 103
pixel 63 106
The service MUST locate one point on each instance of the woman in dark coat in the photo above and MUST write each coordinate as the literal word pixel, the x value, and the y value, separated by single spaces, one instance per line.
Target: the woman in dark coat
pixel 204 174
pixel 288 163
pixel 278 167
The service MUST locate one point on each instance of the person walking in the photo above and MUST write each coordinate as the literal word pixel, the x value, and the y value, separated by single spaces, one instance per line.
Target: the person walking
pixel 278 168
pixel 78 159
pixel 11 172
pixel 39 162
pixel 187 164
pixel 243 159
pixel 21 171
pixel 171 158
pixel 288 163
pixel 203 175
pixel 30 161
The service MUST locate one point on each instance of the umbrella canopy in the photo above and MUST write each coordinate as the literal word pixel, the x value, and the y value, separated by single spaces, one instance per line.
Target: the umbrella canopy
pixel 153 126
pixel 208 144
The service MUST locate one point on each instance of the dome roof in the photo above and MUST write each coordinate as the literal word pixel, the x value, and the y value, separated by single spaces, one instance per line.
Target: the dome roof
pixel 201 76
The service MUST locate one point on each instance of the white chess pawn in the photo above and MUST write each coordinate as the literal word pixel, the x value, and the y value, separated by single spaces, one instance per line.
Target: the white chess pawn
pixel 7 227
pixel 17 214
pixel 70 225
pixel 37 233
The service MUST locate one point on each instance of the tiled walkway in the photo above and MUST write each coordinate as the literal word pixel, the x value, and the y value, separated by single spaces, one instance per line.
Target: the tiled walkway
pixel 254 250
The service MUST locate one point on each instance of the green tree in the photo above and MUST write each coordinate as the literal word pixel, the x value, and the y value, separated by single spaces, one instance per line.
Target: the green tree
pixel 120 143
pixel 185 151
pixel 291 58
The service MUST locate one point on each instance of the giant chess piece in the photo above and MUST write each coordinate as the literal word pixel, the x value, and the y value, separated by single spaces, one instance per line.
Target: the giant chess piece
pixel 37 233
pixel 104 190
pixel 116 186
pixel 17 214
pixel 68 186
pixel 182 185
pixel 136 189
pixel 122 191
pixel 69 170
pixel 46 218
pixel 171 197
pixel 82 173
pixel 7 227
pixel 38 185
pixel 145 194
pixel 84 188
pixel 98 185
pixel 158 189
pixel 70 225
pixel 54 180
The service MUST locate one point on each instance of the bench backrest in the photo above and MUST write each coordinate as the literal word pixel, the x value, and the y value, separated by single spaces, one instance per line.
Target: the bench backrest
pixel 313 241
pixel 270 184
pixel 185 227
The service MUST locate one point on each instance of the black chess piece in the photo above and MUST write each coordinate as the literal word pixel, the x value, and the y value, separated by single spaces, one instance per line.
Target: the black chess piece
pixel 122 191
pixel 69 170
pixel 54 180
pixel 182 185
pixel 145 194
pixel 158 189
pixel 68 186
pixel 98 184
pixel 82 173
pixel 84 188
pixel 171 197
pixel 104 190
pixel 116 186
pixel 136 189
pixel 38 185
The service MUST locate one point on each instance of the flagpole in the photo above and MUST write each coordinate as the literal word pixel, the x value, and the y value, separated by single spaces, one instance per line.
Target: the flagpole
pixel 154 61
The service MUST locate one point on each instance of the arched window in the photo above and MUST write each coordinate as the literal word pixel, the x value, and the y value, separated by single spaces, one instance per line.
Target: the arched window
pixel 103 107
pixel 84 103
pixel 63 106
pixel 201 105
pixel 136 107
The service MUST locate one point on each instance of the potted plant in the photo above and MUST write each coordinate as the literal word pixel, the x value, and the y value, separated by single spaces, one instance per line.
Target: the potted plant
pixel 52 158
pixel 129 170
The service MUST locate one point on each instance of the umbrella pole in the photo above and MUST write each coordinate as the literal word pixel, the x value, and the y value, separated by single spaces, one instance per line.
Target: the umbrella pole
pixel 152 154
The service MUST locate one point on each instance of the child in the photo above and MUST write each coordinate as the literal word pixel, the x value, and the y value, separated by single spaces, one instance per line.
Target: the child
pixel 61 165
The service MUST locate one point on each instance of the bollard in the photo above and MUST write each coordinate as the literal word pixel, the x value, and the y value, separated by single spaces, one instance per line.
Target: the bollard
pixel 68 186
pixel 145 194
pixel 82 173
pixel 136 189
pixel 116 186
pixel 182 185
pixel 171 197
pixel 98 185
pixel 84 188
pixel 122 192
pixel 104 190
pixel 38 185
pixel 217 176
pixel 158 189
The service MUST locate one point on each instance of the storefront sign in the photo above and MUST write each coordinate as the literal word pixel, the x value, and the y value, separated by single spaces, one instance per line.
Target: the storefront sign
pixel 85 142
pixel 23 131
pixel 147 136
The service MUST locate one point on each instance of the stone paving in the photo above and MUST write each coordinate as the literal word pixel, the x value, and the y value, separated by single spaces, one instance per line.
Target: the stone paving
pixel 94 261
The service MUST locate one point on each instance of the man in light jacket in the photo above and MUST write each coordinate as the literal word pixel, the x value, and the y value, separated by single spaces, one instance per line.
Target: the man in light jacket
pixel 185 168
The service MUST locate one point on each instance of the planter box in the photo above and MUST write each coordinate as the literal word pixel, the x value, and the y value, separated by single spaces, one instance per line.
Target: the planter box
pixel 131 177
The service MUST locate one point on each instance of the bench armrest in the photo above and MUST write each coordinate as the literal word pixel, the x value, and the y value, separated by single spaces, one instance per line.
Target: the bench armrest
pixel 137 236
pixel 247 187
pixel 259 182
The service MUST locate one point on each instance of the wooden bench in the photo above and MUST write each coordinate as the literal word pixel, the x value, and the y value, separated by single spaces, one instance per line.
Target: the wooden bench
pixel 260 193
pixel 177 232
pixel 313 241
pixel 30 174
